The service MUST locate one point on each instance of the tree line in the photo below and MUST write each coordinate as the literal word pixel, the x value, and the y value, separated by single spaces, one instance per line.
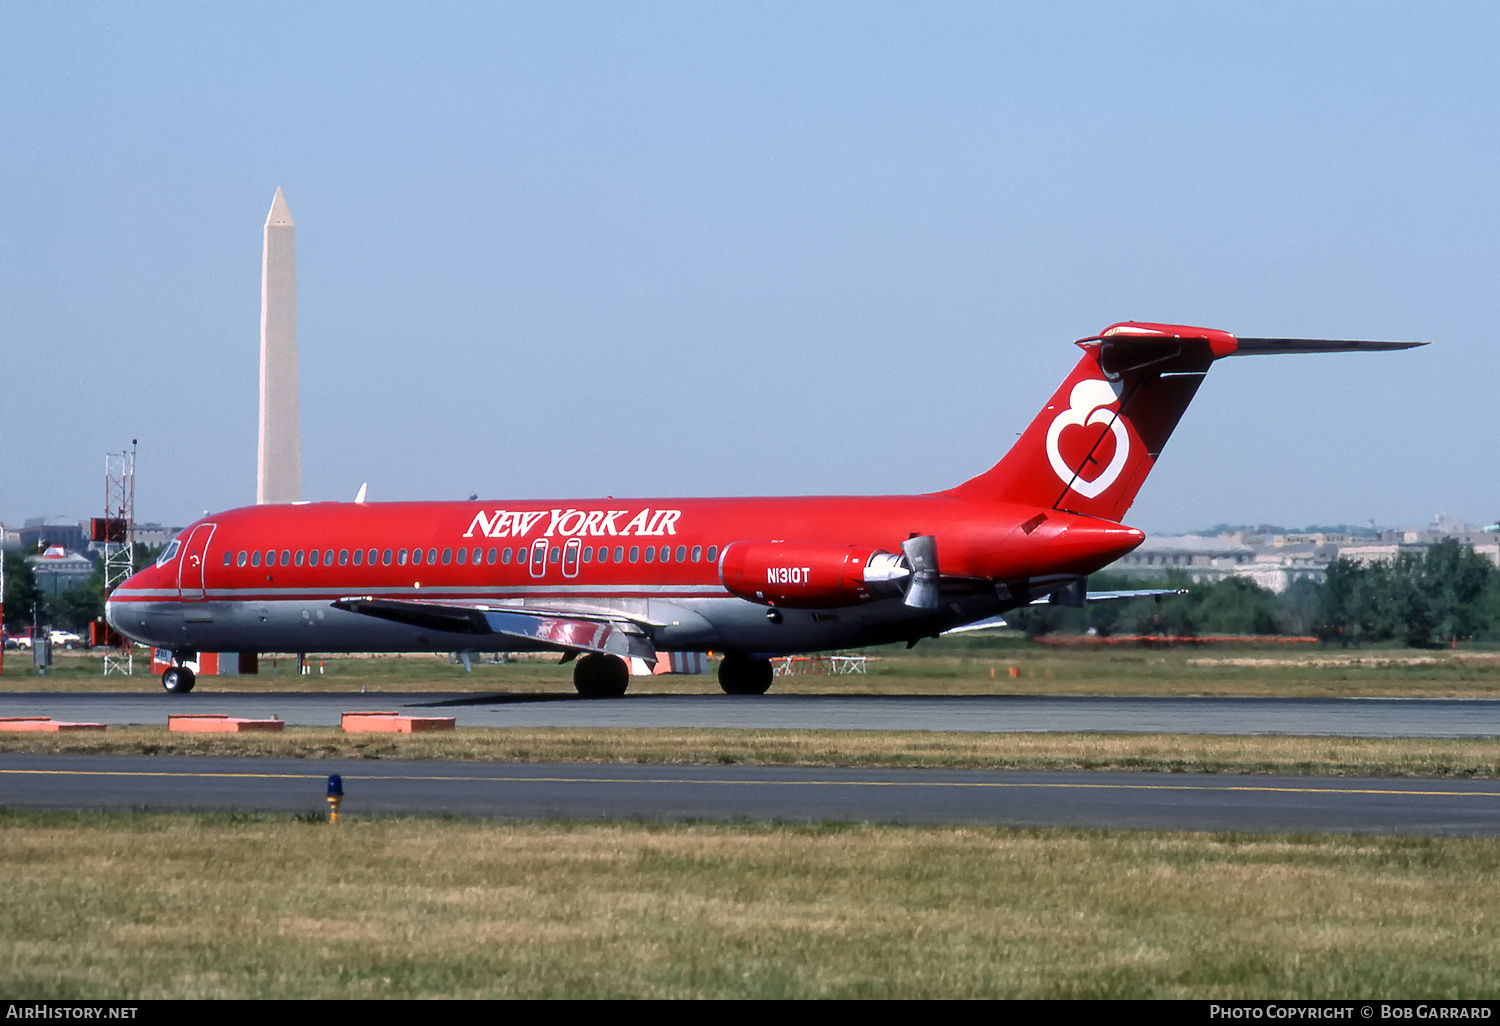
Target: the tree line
pixel 1442 596
pixel 73 609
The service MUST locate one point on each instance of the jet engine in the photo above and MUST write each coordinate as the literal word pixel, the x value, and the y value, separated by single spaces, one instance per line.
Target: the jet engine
pixel 811 575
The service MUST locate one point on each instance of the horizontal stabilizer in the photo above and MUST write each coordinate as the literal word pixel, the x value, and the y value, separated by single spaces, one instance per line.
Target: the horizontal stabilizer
pixel 1127 593
pixel 1256 346
pixel 995 623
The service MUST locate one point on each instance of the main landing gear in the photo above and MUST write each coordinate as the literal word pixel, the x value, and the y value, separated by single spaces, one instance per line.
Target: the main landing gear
pixel 601 676
pixel 741 675
pixel 178 680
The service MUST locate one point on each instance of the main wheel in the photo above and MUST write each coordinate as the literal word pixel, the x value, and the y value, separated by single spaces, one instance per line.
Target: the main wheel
pixel 178 680
pixel 601 676
pixel 741 675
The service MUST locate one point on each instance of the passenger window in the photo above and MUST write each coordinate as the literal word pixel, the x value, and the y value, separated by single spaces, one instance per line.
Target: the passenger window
pixel 620 554
pixel 431 557
pixel 635 553
pixel 463 557
pixel 521 555
pixel 697 553
pixel 556 554
pixel 301 557
pixel 416 557
pixel 603 554
pixel 505 555
pixel 385 558
pixel 478 555
pixel 588 555
pixel 375 555
pixel 447 556
pixel 650 554
pixel 359 557
pixel 312 558
pixel 400 558
pixel 713 553
pixel 328 557
pixel 226 557
pixel 240 559
pixel 270 557
pixel 491 556
pixel 682 553
pixel 286 557
pixel 255 558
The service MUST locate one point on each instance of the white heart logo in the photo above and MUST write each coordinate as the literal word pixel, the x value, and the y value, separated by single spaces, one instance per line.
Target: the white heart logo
pixel 1089 401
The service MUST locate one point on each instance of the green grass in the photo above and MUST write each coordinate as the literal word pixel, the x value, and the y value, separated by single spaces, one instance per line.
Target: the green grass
pixel 212 906
pixel 953 666
pixel 1167 753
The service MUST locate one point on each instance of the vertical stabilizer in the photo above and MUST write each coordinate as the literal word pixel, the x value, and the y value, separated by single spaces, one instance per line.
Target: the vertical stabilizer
pixel 1093 444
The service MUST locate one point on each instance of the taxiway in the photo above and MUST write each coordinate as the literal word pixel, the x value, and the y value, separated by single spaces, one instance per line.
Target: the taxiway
pixel 785 794
pixel 1330 717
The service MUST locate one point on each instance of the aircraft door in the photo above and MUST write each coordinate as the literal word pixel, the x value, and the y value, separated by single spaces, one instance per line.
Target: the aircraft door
pixel 570 557
pixel 191 586
pixel 539 557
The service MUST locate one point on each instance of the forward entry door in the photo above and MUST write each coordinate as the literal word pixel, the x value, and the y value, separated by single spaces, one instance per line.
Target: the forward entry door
pixel 191 586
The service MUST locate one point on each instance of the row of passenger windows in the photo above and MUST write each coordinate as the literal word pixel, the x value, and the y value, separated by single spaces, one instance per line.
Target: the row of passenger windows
pixel 416 557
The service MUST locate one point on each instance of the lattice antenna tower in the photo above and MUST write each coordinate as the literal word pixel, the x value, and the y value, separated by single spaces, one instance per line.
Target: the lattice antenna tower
pixel 117 532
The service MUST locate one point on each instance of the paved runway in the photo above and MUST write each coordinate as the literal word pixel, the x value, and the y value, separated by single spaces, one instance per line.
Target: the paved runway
pixel 1347 717
pixel 565 790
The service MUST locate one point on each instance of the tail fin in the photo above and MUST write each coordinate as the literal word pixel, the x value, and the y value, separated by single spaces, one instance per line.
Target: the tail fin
pixel 1091 447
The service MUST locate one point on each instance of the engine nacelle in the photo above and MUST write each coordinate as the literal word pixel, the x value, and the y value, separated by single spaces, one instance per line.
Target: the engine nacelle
pixel 810 575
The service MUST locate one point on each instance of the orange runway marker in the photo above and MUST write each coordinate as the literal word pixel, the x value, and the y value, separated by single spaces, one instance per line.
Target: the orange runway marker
pixel 219 723
pixel 393 723
pixel 44 724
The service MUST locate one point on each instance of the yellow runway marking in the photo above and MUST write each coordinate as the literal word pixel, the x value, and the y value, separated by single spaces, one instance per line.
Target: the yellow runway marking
pixel 995 784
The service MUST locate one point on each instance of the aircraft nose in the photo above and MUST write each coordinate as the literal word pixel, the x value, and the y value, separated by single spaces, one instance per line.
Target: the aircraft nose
pixel 1085 546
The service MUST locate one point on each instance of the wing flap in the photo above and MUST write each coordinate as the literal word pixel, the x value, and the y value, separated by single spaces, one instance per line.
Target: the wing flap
pixel 564 630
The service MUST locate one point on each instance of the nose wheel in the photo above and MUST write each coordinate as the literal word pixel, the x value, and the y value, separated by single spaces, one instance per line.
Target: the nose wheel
pixel 178 680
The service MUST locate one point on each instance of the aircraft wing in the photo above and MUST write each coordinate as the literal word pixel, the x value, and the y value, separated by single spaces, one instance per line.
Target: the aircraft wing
pixel 562 629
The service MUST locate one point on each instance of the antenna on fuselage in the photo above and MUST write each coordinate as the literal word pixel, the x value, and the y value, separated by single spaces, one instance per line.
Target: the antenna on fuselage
pixel 362 489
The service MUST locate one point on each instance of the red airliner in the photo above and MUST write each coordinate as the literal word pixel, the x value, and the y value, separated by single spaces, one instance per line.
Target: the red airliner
pixel 608 579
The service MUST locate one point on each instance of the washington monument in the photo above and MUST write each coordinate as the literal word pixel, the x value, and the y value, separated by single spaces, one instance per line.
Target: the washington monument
pixel 279 473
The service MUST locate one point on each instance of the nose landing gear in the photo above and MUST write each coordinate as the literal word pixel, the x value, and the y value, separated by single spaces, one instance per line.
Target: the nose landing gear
pixel 178 680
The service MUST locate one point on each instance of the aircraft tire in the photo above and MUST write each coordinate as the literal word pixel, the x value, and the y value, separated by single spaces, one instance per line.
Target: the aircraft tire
pixel 601 676
pixel 178 680
pixel 741 675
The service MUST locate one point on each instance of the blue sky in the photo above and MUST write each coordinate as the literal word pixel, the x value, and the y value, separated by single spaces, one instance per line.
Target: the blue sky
pixel 564 250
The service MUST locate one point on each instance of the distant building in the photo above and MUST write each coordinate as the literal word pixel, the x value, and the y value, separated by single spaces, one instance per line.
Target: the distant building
pixel 57 570
pixel 69 532
pixel 1276 562
pixel 72 533
pixel 155 535
pixel 1203 560
pixel 1279 571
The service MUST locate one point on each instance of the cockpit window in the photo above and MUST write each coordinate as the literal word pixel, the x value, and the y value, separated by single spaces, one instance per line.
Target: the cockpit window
pixel 166 557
